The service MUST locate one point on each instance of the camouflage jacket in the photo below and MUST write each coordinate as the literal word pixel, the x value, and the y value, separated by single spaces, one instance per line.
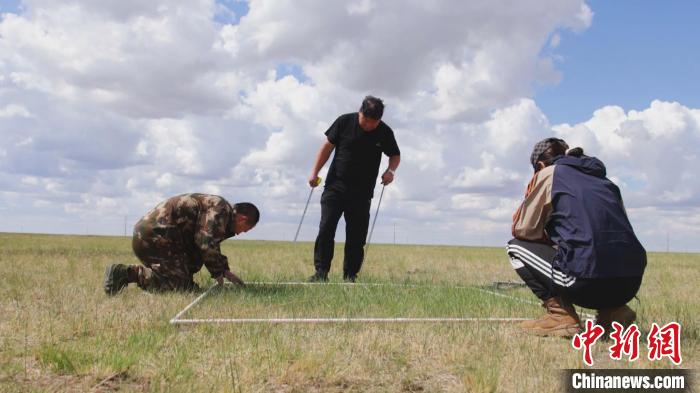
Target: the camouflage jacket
pixel 198 222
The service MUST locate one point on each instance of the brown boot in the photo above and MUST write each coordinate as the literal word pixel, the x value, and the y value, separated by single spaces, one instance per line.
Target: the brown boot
pixel 561 320
pixel 622 315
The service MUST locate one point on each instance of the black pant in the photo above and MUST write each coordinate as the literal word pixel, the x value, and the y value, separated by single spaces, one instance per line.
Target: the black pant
pixel 356 212
pixel 533 263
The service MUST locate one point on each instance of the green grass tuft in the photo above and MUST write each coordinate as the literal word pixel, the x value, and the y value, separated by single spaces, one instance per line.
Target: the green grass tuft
pixel 58 360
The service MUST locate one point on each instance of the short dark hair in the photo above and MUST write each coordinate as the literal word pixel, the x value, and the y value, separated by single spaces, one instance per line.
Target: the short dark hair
pixel 372 107
pixel 556 147
pixel 249 210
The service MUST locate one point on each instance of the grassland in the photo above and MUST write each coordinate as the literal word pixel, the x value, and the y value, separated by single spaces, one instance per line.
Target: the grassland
pixel 59 332
pixel 377 300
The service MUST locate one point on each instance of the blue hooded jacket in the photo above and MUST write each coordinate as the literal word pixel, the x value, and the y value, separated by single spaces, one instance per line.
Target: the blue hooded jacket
pixel 581 211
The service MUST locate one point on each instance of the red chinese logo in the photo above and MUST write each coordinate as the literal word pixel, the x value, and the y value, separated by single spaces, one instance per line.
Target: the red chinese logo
pixel 665 341
pixel 662 342
pixel 626 342
pixel 586 339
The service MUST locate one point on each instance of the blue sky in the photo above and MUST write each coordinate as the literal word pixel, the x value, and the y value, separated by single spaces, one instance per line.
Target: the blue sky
pixel 237 8
pixel 633 53
pixel 611 62
pixel 12 6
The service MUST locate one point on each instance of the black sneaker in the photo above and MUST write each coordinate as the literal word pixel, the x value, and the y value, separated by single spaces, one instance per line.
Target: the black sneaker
pixel 318 277
pixel 116 278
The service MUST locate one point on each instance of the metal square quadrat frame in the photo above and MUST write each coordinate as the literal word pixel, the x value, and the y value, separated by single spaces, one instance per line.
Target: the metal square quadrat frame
pixel 179 319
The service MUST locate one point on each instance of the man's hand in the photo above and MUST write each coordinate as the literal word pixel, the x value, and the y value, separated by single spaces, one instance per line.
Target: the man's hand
pixel 231 277
pixel 323 154
pixel 387 177
pixel 314 180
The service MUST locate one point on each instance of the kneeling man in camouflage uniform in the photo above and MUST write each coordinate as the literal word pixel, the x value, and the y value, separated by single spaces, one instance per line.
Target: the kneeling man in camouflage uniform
pixel 177 237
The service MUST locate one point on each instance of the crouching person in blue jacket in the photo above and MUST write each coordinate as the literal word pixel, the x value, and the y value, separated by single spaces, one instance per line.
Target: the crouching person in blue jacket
pixel 574 243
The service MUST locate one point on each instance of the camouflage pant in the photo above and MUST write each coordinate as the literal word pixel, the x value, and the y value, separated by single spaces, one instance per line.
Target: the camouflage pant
pixel 166 264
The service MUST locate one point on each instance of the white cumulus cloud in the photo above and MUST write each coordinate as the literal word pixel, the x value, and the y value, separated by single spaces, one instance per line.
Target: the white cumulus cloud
pixel 107 107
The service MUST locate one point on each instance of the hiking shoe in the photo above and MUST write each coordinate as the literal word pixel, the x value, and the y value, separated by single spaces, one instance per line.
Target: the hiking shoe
pixel 318 277
pixel 623 315
pixel 561 320
pixel 116 278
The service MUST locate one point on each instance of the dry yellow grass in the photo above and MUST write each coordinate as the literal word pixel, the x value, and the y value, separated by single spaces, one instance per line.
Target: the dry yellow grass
pixel 59 332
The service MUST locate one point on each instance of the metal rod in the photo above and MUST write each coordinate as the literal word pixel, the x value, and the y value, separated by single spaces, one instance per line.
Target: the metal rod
pixel 303 214
pixel 342 320
pixel 376 213
pixel 195 301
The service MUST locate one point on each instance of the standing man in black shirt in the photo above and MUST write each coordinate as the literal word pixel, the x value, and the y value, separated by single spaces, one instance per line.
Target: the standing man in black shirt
pixel 359 139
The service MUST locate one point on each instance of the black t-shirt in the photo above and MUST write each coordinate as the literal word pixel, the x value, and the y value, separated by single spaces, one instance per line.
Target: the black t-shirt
pixel 358 153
